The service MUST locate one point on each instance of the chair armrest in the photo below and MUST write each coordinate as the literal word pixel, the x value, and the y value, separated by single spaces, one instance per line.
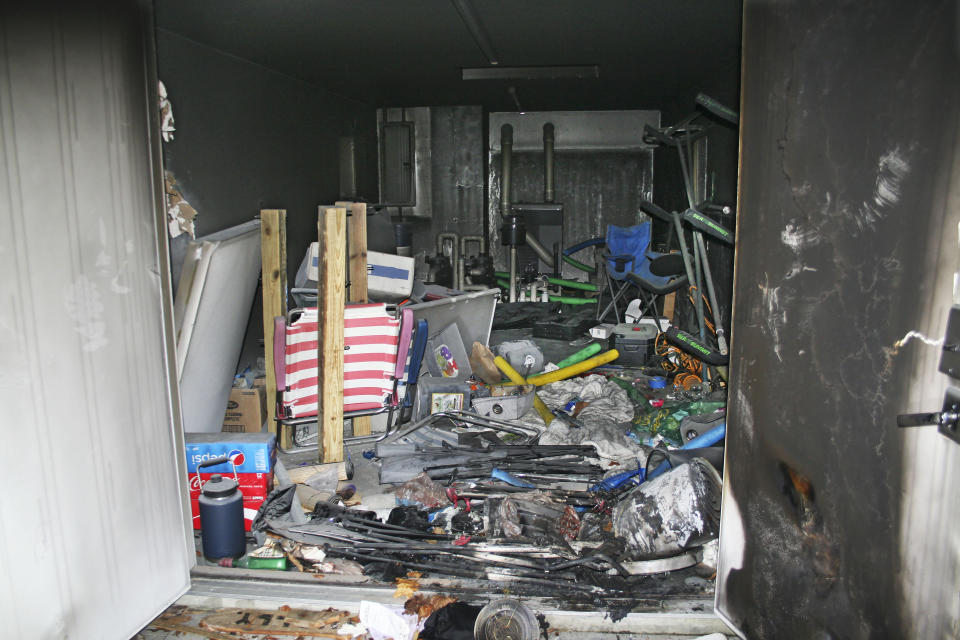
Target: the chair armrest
pixel 671 285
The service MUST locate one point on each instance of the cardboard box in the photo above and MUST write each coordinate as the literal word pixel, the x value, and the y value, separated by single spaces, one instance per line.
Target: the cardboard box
pixel 251 484
pixel 250 507
pixel 254 486
pixel 246 410
pixel 250 452
pixel 389 277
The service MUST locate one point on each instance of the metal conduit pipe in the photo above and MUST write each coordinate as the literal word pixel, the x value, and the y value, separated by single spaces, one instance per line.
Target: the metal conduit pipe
pixel 513 274
pixel 547 165
pixel 540 250
pixel 506 153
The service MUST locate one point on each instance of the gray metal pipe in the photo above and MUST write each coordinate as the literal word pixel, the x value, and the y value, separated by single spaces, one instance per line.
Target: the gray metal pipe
pixel 548 163
pixel 513 274
pixel 712 294
pixel 506 153
pixel 540 250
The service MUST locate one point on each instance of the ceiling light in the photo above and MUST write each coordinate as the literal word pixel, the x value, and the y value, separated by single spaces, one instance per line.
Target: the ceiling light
pixel 581 72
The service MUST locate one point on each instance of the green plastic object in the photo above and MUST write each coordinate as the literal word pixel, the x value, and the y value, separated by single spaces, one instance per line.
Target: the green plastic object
pixel 569 300
pixel 583 354
pixel 635 396
pixel 573 284
pixel 577 264
pixel 253 562
pixel 665 421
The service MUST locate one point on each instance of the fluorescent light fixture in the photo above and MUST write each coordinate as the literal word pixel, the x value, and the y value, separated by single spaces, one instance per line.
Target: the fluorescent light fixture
pixel 579 72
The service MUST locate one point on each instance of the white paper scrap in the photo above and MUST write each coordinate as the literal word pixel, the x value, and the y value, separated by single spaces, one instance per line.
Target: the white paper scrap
pixel 384 622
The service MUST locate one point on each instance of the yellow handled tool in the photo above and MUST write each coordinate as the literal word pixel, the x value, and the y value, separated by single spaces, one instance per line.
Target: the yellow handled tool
pixel 517 379
pixel 574 369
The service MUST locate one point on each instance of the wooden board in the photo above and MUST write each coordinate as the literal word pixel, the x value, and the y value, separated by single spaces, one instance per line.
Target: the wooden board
pixel 285 622
pixel 331 233
pixel 357 257
pixel 183 628
pixel 299 475
pixel 358 252
pixel 273 252
pixel 669 303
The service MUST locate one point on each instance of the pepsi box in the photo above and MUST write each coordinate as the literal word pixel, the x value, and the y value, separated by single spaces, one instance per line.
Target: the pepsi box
pixel 254 486
pixel 250 452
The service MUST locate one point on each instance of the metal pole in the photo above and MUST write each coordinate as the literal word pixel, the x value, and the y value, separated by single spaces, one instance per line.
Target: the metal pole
pixel 513 273
pixel 506 152
pixel 686 175
pixel 548 164
pixel 539 249
pixel 698 300
pixel 721 337
pixel 684 252
pixel 697 240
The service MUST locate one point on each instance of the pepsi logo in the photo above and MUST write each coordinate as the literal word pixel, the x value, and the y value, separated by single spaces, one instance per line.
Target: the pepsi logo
pixel 236 456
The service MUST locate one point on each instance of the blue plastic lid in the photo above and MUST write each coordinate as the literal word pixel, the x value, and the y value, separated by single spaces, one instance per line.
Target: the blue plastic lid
pixel 658 382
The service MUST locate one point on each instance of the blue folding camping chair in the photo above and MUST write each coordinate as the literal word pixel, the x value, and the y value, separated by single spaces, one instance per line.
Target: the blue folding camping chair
pixel 630 266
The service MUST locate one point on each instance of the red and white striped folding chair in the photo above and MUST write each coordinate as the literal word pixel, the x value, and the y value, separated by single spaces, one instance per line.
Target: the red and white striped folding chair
pixel 376 341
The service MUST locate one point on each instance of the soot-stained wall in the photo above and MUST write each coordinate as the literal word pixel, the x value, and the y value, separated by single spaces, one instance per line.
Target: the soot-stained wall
pixel 837 523
pixel 249 138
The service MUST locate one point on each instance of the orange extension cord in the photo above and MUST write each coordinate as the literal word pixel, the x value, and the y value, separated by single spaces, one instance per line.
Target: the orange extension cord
pixel 685 367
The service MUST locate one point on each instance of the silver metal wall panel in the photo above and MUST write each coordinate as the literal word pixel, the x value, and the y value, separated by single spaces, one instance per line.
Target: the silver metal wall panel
pixel 91 516
pixel 575 130
pixel 457 172
pixel 835 523
pixel 420 117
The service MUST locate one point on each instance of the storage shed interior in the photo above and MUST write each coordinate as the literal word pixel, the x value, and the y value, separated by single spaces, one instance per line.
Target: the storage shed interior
pixel 636 315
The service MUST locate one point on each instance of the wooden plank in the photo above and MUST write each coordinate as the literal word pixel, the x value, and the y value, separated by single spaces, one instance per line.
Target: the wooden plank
pixel 282 622
pixel 331 298
pixel 357 257
pixel 299 475
pixel 273 254
pixel 358 252
pixel 182 628
pixel 669 302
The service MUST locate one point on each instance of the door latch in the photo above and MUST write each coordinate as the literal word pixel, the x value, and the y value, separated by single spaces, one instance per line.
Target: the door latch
pixel 947 419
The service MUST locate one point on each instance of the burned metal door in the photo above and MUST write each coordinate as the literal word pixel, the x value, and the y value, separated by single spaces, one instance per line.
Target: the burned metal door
pixel 837 524
pixel 92 514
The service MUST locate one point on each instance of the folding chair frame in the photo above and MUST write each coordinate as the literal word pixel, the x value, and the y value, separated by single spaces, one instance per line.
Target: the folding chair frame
pixel 283 421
